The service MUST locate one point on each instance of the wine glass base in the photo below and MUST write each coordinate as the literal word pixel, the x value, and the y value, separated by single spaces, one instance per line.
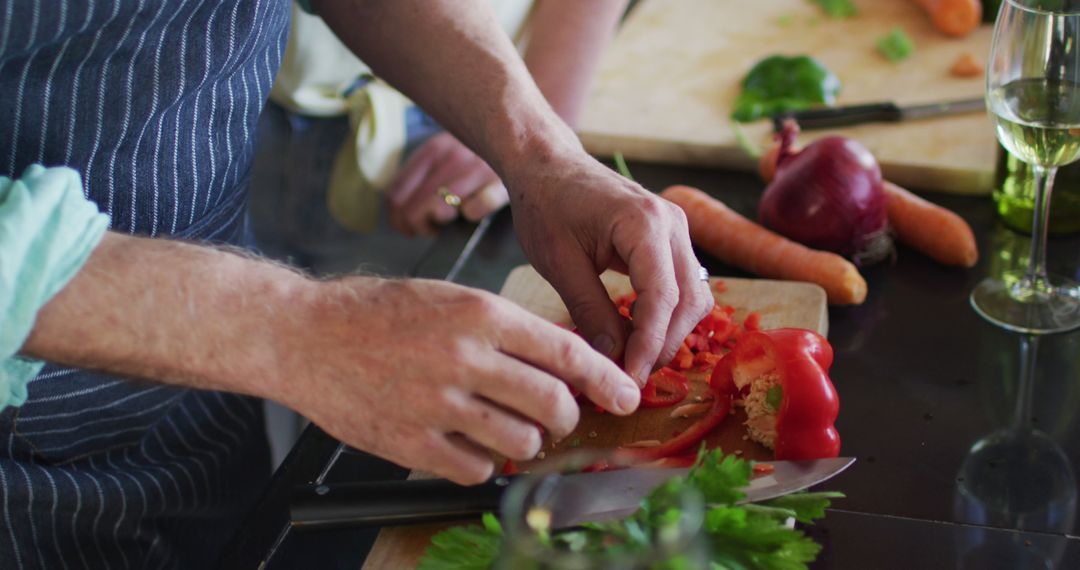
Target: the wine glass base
pixel 1034 312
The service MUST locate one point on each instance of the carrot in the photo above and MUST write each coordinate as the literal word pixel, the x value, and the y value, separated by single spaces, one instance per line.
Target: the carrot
pixel 931 229
pixel 738 241
pixel 967 66
pixel 953 17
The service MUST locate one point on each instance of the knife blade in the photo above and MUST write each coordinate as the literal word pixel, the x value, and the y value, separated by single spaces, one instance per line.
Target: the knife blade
pixel 576 498
pixel 831 117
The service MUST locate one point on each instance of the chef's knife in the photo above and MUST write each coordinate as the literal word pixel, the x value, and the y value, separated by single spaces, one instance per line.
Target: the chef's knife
pixel 581 497
pixel 831 117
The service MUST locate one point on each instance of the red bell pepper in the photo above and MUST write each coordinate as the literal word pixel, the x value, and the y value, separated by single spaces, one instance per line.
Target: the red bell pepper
pixel 801 358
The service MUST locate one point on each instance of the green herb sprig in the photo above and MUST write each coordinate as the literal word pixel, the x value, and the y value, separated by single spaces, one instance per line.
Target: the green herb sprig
pixel 739 537
pixel 896 45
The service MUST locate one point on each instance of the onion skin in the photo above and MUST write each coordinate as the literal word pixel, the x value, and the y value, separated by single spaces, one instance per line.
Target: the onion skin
pixel 828 196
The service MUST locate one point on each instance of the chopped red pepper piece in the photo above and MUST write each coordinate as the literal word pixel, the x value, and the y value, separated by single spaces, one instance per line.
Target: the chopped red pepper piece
pixel 665 387
pixel 801 359
pixel 764 468
pixel 509 468
pixel 752 322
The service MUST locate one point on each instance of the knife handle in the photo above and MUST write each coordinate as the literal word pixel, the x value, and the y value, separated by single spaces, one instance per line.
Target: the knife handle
pixel 385 503
pixel 828 118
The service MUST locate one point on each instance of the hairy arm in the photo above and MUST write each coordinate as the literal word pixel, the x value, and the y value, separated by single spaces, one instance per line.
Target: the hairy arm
pixel 170 311
pixel 566 40
pixel 451 57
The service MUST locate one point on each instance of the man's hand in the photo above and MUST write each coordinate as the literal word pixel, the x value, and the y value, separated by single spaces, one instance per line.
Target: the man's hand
pixel 575 218
pixel 431 375
pixel 442 162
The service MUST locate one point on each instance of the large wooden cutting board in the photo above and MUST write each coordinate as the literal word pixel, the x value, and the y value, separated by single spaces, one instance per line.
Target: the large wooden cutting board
pixel 780 304
pixel 666 85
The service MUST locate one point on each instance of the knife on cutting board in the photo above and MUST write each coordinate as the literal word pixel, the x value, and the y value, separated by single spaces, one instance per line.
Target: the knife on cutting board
pixel 579 498
pixel 847 115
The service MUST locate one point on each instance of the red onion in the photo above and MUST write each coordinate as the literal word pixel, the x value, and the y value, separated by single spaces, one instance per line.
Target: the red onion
pixel 828 196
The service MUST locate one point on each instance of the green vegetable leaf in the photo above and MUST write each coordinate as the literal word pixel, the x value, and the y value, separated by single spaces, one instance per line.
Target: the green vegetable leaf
pixel 807 507
pixel 774 397
pixel 719 477
pixel 739 537
pixel 837 8
pixel 756 540
pixel 492 524
pixel 620 166
pixel 469 547
pixel 779 84
pixel 896 45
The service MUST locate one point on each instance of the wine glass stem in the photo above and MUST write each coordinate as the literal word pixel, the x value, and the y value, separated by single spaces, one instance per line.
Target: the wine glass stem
pixel 1035 280
pixel 1029 352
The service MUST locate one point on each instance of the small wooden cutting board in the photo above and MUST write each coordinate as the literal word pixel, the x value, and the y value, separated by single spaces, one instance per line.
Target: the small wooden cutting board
pixel 780 304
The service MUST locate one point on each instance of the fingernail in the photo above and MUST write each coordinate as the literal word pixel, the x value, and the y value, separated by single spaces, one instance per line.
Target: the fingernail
pixel 604 344
pixel 642 376
pixel 627 398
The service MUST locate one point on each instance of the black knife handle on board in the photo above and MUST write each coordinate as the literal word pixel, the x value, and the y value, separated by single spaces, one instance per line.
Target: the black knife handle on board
pixel 387 503
pixel 841 116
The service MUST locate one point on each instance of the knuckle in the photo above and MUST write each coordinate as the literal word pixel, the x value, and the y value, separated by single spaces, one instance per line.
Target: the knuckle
pixel 487 306
pixel 458 351
pixel 653 341
pixel 427 444
pixel 582 307
pixel 667 295
pixel 477 473
pixel 573 416
pixel 652 207
pixel 570 353
pixel 677 214
pixel 550 396
pixel 526 445
pixel 701 301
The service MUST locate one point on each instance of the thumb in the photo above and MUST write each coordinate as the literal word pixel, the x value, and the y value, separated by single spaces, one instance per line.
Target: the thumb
pixel 591 308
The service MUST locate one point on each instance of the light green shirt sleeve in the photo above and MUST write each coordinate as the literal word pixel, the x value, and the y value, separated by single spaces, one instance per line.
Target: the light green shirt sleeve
pixel 47 231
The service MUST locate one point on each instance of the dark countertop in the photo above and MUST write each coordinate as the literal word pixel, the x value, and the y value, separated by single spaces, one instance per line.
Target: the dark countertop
pixel 949 472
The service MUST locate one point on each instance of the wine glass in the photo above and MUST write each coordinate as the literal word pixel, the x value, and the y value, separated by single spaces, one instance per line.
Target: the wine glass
pixel 1033 95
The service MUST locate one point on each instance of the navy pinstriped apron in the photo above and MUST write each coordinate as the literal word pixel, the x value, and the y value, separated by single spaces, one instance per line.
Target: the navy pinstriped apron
pixel 155 103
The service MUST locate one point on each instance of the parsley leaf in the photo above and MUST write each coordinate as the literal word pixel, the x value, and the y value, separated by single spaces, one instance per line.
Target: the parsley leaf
pixel 719 477
pixel 807 507
pixel 837 8
pixel 469 547
pixel 896 46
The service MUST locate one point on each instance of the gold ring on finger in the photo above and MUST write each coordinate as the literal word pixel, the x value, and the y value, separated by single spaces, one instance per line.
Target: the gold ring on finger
pixel 451 199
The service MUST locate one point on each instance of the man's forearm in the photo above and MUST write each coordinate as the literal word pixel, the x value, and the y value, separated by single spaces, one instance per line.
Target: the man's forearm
pixel 452 58
pixel 170 311
pixel 565 42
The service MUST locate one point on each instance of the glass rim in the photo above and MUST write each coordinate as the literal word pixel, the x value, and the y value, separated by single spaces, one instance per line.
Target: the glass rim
pixel 1020 6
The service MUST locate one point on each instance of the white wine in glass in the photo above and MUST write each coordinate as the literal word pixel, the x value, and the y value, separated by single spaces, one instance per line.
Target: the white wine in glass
pixel 1033 95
